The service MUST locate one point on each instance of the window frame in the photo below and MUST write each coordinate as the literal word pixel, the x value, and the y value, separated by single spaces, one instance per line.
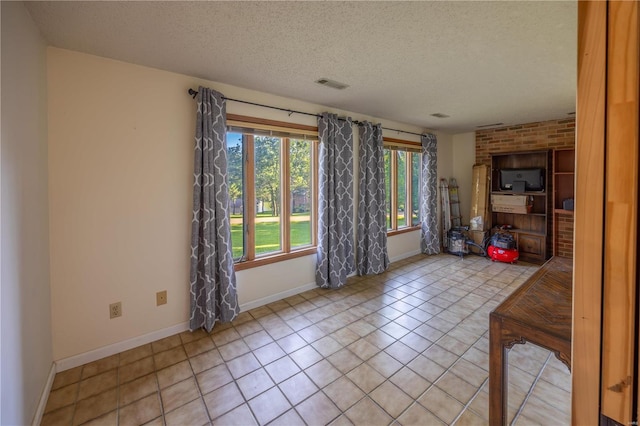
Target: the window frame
pixel 285 131
pixel 410 148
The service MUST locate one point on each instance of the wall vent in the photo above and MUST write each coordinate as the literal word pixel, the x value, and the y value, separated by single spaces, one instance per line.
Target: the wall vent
pixel 332 83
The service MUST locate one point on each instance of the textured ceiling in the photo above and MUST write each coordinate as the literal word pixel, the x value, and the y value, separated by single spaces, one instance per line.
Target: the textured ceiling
pixel 478 62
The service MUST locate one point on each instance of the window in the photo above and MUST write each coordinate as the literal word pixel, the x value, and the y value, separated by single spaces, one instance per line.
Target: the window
pixel 272 190
pixel 402 161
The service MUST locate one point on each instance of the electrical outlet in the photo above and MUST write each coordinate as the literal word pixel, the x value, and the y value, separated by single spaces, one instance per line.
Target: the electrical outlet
pixel 161 298
pixel 115 310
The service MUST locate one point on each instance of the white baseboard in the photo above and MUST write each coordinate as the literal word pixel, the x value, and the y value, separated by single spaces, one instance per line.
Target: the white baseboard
pixel 96 354
pixel 42 404
pixel 105 351
pixel 275 297
pixel 405 255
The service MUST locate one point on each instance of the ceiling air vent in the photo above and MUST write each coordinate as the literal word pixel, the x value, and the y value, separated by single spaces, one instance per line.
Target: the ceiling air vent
pixel 332 83
pixel 440 115
pixel 490 125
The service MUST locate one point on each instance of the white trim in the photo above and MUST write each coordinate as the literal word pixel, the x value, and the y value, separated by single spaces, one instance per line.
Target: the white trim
pixel 405 255
pixel 96 354
pixel 105 351
pixel 275 297
pixel 37 418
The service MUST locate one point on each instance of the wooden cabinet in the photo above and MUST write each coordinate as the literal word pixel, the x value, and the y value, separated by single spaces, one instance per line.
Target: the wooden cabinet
pixel 531 246
pixel 530 229
pixel 563 176
pixel 563 201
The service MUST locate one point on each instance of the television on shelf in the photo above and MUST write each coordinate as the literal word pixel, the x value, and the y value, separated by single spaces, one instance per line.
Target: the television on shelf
pixel 521 180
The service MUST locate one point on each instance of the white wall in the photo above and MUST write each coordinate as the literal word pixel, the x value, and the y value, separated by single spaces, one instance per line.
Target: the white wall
pixel 120 175
pixel 464 157
pixel 445 169
pixel 26 355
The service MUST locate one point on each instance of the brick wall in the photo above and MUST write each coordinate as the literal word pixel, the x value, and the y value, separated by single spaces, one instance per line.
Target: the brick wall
pixel 564 235
pixel 552 134
pixel 525 137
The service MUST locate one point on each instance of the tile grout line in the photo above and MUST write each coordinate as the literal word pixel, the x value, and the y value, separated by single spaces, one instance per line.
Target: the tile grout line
pixel 195 379
pixel 535 381
pixel 367 394
pixel 448 369
pixel 433 343
pixel 286 354
pixel 75 401
pixel 224 362
pixel 459 357
pixel 118 392
pixel 468 404
pixel 394 291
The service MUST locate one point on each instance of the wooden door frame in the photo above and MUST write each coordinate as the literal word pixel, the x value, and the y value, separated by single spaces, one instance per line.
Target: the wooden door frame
pixel 621 212
pixel 606 208
pixel 589 212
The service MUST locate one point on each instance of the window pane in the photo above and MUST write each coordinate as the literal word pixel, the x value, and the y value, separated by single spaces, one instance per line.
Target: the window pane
pixel 415 188
pixel 401 188
pixel 387 184
pixel 267 187
pixel 236 192
pixel 301 193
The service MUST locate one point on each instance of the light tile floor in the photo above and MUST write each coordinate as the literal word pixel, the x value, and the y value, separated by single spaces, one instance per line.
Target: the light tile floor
pixel 409 346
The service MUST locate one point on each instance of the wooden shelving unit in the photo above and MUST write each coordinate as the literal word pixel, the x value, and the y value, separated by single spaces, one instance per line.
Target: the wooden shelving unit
pixel 563 189
pixel 530 230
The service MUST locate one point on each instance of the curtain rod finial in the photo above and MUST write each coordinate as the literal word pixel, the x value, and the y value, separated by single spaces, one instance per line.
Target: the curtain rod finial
pixel 193 93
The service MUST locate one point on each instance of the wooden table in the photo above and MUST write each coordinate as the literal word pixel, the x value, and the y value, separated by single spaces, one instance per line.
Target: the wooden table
pixel 538 312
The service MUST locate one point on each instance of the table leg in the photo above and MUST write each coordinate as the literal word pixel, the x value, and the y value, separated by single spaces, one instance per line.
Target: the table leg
pixel 498 377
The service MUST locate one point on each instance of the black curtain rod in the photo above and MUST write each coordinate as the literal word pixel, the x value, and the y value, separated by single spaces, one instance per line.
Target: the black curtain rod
pixel 194 93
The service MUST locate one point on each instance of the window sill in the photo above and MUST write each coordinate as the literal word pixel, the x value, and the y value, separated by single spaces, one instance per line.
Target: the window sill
pixel 403 230
pixel 267 260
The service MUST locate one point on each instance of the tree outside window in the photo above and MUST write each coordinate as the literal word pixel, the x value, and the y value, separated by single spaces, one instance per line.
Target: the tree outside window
pixel 402 185
pixel 280 184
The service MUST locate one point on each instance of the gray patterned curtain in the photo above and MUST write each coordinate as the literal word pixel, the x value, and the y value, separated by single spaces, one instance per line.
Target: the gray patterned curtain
pixel 335 202
pixel 213 279
pixel 429 241
pixel 371 248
